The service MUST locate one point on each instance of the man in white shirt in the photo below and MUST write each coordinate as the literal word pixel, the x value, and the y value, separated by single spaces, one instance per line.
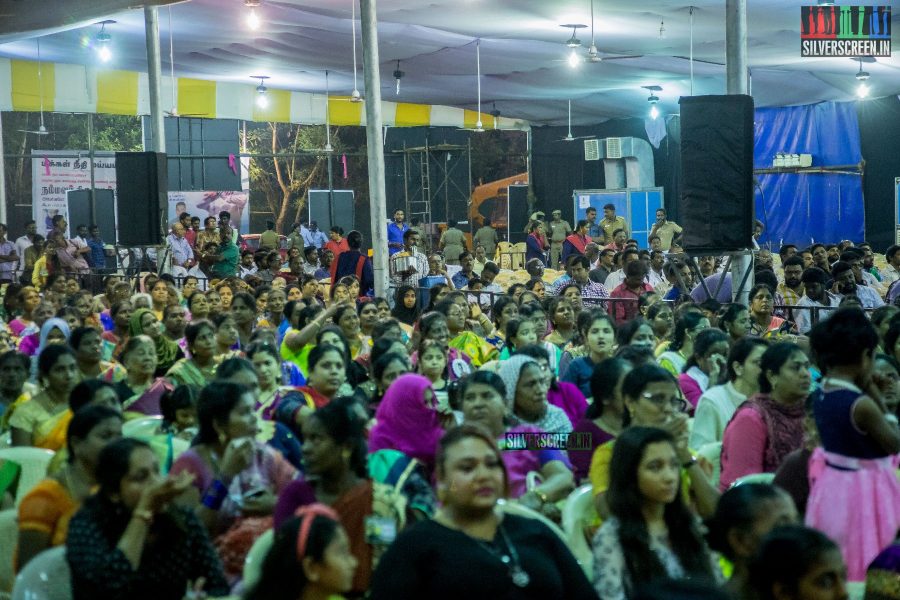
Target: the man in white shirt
pixel 656 277
pixel 845 284
pixel 617 277
pixel 25 242
pixel 815 296
pixel 182 254
pixel 889 274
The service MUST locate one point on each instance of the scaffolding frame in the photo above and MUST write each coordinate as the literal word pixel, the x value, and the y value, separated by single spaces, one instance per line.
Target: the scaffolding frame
pixel 428 177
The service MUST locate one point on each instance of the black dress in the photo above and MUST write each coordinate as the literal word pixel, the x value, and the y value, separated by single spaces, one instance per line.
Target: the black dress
pixel 179 551
pixel 430 560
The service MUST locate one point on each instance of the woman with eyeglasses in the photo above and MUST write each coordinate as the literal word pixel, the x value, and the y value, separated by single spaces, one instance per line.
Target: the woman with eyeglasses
pixel 526 395
pixel 483 403
pixel 651 533
pixel 561 394
pixel 653 399
pixel 769 425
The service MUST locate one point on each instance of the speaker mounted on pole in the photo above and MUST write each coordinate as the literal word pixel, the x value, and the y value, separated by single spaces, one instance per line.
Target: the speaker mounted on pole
pixel 142 185
pixel 716 203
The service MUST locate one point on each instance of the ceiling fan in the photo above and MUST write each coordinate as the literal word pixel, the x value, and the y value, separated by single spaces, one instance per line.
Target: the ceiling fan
pixel 593 54
pixel 479 126
pixel 42 130
pixel 174 112
pixel 569 137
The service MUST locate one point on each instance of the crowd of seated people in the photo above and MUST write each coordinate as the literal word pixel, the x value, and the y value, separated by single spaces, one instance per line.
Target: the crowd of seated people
pixel 432 444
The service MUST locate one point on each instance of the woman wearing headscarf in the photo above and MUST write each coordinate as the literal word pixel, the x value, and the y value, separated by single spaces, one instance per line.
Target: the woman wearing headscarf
pixel 53 331
pixel 405 438
pixel 527 383
pixel 144 322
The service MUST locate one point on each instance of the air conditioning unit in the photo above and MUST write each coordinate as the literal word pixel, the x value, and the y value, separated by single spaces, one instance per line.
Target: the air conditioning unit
pixel 592 149
pixel 613 147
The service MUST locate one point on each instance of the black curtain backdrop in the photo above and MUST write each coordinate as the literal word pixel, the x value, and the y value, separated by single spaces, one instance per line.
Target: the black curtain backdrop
pixel 557 167
pixel 879 130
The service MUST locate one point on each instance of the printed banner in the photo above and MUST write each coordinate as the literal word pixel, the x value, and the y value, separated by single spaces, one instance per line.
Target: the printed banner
pixel 52 176
pixel 210 204
pixel 845 31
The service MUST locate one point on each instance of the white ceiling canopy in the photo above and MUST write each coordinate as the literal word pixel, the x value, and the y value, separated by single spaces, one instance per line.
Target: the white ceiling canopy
pixel 523 51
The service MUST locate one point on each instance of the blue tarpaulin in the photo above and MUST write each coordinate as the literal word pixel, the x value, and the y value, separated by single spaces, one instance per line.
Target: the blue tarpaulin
pixel 802 208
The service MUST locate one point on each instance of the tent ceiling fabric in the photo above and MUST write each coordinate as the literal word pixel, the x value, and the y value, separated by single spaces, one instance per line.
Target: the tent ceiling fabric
pixel 522 52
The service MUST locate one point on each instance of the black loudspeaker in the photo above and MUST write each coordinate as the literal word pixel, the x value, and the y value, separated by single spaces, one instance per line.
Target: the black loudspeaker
pixel 716 204
pixel 142 185
pixel 517 213
pixel 79 203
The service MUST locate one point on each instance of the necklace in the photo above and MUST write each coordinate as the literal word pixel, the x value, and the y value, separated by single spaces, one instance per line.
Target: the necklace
pixel 520 577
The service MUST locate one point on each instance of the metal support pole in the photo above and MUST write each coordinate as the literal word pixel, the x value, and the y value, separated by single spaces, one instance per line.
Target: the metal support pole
pixel 154 71
pixel 2 177
pixel 736 76
pixel 328 155
pixel 375 144
pixel 93 206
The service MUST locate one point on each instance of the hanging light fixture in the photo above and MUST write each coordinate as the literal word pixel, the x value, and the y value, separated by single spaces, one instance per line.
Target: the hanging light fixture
pixel 262 96
pixel 662 29
pixel 653 100
pixel 253 21
pixel 398 75
pixel 104 43
pixel 862 90
pixel 355 96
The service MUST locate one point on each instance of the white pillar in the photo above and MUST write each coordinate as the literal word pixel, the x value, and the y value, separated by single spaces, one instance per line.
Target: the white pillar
pixel 736 75
pixel 154 72
pixel 375 145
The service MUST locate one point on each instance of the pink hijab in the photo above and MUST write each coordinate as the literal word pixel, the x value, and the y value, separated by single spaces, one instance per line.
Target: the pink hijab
pixel 404 423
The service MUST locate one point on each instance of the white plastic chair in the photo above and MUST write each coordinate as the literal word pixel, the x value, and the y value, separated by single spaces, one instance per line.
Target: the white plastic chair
pixel 255 558
pixel 713 453
pixel 32 461
pixel 514 508
pixel 577 512
pixel 142 428
pixel 9 536
pixel 754 478
pixel 45 577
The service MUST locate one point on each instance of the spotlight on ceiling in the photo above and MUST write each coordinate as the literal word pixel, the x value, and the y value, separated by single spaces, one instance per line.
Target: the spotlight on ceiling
pixel 104 43
pixel 262 96
pixel 826 2
pixel 253 21
pixel 574 42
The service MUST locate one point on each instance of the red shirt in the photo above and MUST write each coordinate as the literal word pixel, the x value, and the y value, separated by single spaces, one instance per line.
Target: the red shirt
pixel 625 311
pixel 336 248
pixel 191 236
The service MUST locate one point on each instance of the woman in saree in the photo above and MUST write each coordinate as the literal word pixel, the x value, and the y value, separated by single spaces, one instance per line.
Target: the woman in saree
pixel 236 479
pixel 42 420
pixel 200 368
pixel 140 392
pixel 144 322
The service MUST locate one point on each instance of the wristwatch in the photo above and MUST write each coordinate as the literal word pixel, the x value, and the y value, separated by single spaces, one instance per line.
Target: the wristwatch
pixel 689 463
